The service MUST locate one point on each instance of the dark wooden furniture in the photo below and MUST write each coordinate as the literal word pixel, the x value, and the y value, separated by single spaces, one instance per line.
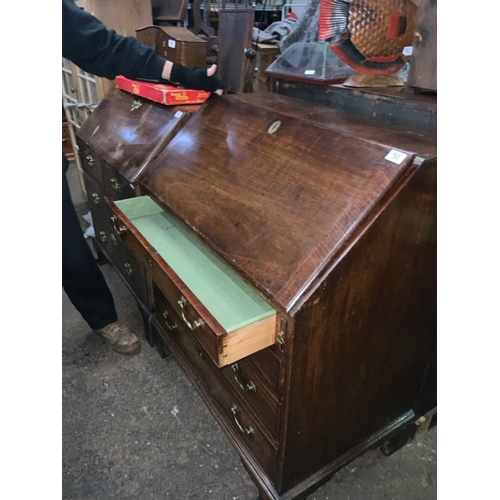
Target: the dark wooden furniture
pixel 423 63
pixel 169 10
pixel 175 43
pixel 116 143
pixel 235 50
pixel 328 221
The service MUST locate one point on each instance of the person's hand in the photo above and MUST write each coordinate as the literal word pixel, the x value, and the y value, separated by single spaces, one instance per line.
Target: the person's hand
pixel 197 78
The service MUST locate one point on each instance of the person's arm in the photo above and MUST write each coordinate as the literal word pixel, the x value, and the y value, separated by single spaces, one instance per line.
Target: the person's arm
pixel 88 43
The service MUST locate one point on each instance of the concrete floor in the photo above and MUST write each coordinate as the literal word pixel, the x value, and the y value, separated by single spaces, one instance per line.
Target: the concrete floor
pixel 135 428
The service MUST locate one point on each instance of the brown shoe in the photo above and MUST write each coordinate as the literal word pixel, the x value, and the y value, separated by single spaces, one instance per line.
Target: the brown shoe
pixel 120 338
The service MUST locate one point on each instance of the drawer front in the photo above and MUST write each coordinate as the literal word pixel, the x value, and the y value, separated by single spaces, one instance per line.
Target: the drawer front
pixel 117 187
pixel 261 401
pixel 91 163
pixel 122 258
pixel 256 395
pixel 236 415
pixel 97 197
pixel 267 366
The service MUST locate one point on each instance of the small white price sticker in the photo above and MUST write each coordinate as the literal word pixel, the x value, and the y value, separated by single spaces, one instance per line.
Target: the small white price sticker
pixel 395 156
pixel 171 44
pixel 309 72
pixel 408 51
pixel 178 114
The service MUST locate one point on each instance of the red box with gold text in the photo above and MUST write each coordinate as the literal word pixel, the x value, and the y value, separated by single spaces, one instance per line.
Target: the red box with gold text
pixel 164 94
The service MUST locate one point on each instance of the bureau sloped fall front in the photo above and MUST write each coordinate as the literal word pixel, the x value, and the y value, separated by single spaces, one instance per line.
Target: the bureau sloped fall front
pixel 309 336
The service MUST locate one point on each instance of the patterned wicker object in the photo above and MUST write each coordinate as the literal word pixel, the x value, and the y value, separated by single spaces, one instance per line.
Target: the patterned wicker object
pixel 369 23
pixel 369 35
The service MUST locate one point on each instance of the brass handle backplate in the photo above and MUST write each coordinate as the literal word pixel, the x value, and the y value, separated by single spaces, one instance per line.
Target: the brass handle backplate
pixel 192 326
pixel 104 236
pixel 96 198
pixel 128 268
pixel 246 387
pixel 116 185
pixel 119 229
pixel 248 430
pixel 90 160
pixel 170 327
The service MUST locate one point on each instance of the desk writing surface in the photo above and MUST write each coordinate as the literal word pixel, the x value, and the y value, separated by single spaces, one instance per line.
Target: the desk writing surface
pixel 275 196
pixel 125 130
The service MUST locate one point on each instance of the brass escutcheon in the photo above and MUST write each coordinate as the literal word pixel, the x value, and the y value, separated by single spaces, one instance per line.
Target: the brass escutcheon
pixel 275 126
pixel 96 198
pixel 103 236
pixel 128 268
pixel 135 104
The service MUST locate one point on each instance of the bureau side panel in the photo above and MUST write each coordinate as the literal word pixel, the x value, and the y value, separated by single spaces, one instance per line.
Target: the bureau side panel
pixel 362 340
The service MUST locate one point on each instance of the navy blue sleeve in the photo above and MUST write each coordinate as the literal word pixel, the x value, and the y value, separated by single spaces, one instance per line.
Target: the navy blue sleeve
pixel 90 45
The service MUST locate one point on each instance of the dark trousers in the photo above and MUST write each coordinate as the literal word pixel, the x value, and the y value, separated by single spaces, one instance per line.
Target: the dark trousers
pixel 83 281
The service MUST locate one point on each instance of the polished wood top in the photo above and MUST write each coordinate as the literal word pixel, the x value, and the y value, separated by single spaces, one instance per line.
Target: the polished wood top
pixel 126 131
pixel 275 195
pixel 421 141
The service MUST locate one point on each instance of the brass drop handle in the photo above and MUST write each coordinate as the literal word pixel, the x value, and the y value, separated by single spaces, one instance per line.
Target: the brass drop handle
pixel 116 185
pixel 119 229
pixel 247 387
pixel 170 327
pixel 128 268
pixel 248 430
pixel 96 198
pixel 104 236
pixel 90 160
pixel 199 322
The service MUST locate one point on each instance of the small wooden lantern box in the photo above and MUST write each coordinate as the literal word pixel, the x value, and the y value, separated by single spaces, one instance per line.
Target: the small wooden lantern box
pixel 175 43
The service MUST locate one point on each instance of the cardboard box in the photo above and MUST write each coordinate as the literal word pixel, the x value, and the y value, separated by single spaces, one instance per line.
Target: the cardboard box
pixel 162 93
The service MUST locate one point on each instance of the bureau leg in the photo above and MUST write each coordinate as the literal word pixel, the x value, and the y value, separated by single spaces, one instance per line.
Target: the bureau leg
pixel 156 340
pixel 98 253
pixel 147 326
pixel 262 494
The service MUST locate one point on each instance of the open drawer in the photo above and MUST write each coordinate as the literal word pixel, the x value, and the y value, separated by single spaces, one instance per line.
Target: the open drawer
pixel 227 317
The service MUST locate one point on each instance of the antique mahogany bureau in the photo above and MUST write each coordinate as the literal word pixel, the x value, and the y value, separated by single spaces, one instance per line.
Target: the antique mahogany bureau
pixel 285 253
